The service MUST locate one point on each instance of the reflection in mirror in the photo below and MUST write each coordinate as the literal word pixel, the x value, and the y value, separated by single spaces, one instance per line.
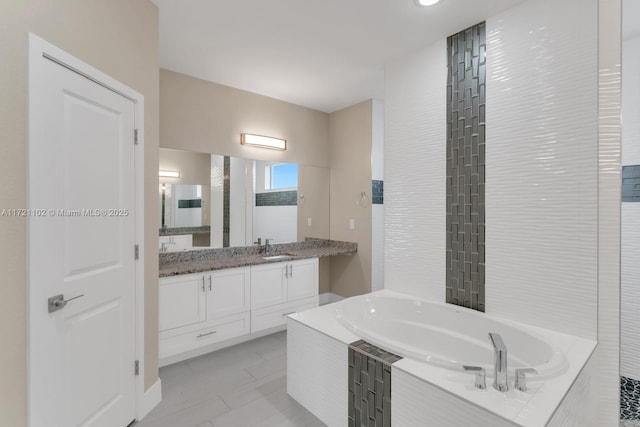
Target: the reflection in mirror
pixel 275 213
pixel 228 201
pixel 183 205
pixel 238 196
pixel 184 202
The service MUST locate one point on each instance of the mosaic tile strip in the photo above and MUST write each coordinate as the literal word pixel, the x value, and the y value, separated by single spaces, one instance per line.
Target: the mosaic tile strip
pixel 226 202
pixel 466 77
pixel 277 198
pixel 377 192
pixel 631 183
pixel 369 385
pixel 629 399
pixel 190 203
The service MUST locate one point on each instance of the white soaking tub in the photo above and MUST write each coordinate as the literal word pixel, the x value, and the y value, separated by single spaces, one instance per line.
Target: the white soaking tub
pixel 445 335
pixel 429 387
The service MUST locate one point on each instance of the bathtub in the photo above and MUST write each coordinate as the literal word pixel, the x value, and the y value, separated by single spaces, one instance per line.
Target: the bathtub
pixel 445 335
pixel 435 340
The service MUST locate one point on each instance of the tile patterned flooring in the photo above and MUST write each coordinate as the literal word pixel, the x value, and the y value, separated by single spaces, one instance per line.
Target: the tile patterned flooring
pixel 240 386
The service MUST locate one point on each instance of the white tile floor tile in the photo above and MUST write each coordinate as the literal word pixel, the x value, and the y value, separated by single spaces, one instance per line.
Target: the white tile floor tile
pixel 241 386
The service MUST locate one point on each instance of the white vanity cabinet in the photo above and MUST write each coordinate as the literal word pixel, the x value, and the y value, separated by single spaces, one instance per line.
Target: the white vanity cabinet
pixel 203 312
pixel 280 289
pixel 200 309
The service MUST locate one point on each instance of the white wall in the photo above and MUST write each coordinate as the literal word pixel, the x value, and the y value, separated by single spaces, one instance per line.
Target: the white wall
pixel 630 233
pixel 541 186
pixel 377 211
pixel 415 172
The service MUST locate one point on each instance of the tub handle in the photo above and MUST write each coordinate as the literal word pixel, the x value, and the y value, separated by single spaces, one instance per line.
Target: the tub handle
pixel 521 382
pixel 481 376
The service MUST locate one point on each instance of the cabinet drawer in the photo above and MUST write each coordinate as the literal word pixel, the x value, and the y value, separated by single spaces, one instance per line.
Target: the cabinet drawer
pixel 276 315
pixel 180 340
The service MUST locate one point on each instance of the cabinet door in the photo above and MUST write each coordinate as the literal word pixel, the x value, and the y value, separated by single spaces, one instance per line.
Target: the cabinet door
pixel 181 301
pixel 227 292
pixel 268 284
pixel 303 279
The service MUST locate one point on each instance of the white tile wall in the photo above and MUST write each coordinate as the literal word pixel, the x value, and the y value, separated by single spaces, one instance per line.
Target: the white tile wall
pixel 607 353
pixel 418 403
pixel 630 241
pixel 415 170
pixel 541 188
pixel 377 211
pixel 630 291
pixel 630 104
pixel 317 373
pixel 541 167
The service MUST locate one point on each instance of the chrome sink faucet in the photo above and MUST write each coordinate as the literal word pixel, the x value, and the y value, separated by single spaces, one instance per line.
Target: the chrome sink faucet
pixel 267 246
pixel 500 362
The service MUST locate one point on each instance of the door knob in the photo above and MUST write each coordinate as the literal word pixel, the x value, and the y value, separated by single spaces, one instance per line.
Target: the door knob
pixel 58 302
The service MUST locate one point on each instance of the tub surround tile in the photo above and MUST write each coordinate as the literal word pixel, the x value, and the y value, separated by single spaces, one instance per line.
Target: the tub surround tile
pixel 186 262
pixel 369 384
pixel 466 79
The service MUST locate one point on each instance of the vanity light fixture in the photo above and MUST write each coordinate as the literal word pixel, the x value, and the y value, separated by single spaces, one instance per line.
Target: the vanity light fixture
pixel 263 141
pixel 169 174
pixel 426 2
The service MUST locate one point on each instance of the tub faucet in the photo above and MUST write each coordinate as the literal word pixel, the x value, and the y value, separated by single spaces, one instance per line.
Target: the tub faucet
pixel 500 362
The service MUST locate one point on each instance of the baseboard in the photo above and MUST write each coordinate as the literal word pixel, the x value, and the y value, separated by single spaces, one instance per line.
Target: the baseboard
pixel 150 399
pixel 328 298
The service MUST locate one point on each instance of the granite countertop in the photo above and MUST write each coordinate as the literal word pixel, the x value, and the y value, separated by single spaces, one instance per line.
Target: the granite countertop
pixel 186 262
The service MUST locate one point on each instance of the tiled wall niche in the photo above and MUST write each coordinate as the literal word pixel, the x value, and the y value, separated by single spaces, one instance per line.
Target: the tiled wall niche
pixel 466 76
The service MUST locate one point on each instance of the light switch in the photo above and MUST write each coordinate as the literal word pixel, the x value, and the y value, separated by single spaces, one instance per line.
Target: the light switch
pixel 352 224
pixel 309 222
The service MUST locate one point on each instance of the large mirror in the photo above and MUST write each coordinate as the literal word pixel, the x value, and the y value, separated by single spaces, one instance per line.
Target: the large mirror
pixel 238 201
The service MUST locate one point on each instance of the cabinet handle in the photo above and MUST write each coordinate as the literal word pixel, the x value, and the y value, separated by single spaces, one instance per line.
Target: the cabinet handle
pixel 203 284
pixel 210 288
pixel 206 334
pixel 286 271
pixel 290 270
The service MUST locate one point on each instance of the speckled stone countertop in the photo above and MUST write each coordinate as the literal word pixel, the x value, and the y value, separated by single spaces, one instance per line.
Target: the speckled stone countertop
pixel 175 231
pixel 186 262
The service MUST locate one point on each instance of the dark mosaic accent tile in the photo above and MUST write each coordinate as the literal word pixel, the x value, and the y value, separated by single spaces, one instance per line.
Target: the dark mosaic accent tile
pixel 629 399
pixel 189 203
pixel 377 192
pixel 226 202
pixel 369 385
pixel 631 183
pixel 277 198
pixel 466 77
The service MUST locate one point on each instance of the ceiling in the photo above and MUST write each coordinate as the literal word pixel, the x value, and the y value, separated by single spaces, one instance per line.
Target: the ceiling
pixel 323 54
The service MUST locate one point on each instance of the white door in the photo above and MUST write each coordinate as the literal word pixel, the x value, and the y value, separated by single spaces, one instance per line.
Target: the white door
pixel 81 240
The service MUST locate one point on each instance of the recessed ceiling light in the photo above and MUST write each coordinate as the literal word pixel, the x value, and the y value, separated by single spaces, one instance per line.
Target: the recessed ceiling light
pixel 426 2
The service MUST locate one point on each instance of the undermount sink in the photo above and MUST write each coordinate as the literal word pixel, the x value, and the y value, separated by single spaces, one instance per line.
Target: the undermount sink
pixel 276 257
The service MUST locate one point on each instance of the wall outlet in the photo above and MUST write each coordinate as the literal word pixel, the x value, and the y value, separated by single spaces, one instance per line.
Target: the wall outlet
pixel 352 224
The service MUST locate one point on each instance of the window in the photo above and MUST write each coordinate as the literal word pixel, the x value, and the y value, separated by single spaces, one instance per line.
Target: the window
pixel 280 176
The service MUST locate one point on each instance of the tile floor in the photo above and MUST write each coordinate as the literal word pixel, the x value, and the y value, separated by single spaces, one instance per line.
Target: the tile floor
pixel 240 386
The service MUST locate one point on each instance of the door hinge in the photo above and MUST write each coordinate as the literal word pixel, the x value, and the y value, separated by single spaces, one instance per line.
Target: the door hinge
pixel 135 136
pixel 136 369
pixel 136 252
